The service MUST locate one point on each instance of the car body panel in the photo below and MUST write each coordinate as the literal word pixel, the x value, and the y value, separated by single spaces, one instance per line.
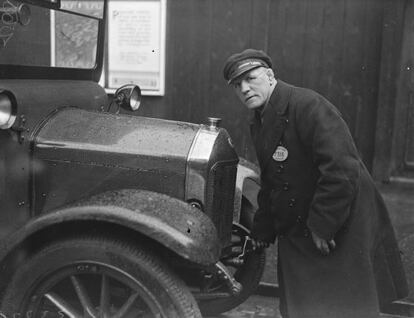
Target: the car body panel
pixel 36 100
pixel 83 153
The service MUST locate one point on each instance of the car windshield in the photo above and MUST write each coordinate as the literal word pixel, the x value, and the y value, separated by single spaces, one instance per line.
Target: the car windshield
pixel 31 35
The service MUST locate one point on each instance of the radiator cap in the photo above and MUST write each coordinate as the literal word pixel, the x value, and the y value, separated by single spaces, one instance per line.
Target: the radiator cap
pixel 213 122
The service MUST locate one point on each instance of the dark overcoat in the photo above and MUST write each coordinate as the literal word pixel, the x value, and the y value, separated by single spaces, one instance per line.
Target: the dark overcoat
pixel 313 179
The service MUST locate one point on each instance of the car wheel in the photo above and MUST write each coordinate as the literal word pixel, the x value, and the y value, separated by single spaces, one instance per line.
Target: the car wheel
pixel 96 277
pixel 248 274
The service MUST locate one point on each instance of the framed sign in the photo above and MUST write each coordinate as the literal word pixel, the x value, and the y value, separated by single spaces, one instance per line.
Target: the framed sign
pixel 136 45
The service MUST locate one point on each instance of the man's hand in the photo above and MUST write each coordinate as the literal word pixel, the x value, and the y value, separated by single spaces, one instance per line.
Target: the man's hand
pixel 324 246
pixel 258 244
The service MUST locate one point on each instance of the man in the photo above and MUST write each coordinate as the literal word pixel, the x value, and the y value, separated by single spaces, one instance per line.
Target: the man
pixel 337 252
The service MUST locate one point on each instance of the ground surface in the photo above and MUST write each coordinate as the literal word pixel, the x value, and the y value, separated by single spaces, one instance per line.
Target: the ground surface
pixel 263 307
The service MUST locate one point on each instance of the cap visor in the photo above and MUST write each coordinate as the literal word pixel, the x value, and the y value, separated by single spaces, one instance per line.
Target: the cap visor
pixel 241 71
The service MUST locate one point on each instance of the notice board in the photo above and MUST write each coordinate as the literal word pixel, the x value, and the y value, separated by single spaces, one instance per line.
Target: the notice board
pixel 136 45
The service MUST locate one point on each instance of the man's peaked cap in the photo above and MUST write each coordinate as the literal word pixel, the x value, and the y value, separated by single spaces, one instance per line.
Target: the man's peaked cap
pixel 240 63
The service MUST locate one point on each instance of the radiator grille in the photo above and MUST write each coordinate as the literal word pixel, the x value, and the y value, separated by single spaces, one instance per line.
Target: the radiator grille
pixel 220 197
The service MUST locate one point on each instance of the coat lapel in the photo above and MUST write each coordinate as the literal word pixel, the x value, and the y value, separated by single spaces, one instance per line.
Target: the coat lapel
pixel 266 136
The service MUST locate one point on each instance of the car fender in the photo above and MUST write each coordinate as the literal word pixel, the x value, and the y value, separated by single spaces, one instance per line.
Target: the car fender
pixel 184 229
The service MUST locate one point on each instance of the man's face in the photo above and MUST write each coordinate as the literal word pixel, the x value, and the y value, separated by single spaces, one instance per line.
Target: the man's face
pixel 254 87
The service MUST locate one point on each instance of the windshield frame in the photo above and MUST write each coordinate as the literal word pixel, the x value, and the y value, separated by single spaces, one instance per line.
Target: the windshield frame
pixel 8 71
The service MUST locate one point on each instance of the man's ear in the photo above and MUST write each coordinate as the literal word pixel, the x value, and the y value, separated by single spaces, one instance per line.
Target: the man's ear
pixel 270 74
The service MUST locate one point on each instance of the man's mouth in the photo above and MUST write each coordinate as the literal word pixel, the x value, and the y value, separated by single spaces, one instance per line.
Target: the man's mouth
pixel 248 98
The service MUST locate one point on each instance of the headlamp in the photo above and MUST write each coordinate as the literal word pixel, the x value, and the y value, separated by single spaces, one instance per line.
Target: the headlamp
pixel 8 109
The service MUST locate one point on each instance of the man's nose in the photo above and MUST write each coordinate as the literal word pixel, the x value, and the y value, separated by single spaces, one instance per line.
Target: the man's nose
pixel 244 86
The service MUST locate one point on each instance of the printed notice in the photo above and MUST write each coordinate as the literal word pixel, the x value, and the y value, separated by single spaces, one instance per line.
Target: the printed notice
pixel 136 36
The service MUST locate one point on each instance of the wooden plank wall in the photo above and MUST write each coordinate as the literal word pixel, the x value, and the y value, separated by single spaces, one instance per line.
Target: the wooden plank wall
pixel 332 46
pixel 389 96
pixel 403 143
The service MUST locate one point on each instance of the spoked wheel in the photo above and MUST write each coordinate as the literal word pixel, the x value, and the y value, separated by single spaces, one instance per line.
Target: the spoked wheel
pixel 98 291
pixel 248 273
pixel 97 277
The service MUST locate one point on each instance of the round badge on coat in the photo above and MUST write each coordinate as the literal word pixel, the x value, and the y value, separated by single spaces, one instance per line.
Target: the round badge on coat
pixel 280 154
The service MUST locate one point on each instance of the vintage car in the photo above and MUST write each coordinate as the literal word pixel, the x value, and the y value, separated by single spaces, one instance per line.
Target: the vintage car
pixel 105 213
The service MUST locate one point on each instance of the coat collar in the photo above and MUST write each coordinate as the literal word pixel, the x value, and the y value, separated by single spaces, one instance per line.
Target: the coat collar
pixel 268 134
pixel 280 98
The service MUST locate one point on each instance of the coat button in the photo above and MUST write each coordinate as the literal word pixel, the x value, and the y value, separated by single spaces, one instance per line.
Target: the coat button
pixel 286 186
pixel 298 219
pixel 280 168
pixel 292 202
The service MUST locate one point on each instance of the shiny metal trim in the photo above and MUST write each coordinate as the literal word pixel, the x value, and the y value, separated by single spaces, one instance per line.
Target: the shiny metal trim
pixel 8 109
pixel 244 173
pixel 197 163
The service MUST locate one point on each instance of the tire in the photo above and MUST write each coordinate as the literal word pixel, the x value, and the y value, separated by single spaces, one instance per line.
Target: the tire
pixel 99 275
pixel 249 274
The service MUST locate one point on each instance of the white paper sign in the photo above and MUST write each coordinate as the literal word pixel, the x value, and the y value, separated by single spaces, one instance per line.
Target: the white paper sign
pixel 136 41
